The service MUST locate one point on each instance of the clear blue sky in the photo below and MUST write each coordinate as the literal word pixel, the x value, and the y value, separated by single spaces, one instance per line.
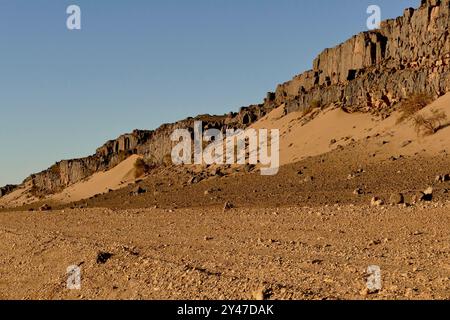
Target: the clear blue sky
pixel 140 63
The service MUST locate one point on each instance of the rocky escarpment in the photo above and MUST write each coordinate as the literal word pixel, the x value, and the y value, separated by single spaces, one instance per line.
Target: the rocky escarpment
pixel 374 70
pixel 7 189
pixel 370 72
pixel 153 145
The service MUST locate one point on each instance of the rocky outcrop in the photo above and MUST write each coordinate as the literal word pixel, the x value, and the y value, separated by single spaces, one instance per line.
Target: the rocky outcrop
pixel 7 189
pixel 370 72
pixel 153 145
pixel 374 70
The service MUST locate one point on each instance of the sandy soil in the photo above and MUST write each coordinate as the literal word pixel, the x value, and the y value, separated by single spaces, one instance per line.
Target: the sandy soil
pixel 113 179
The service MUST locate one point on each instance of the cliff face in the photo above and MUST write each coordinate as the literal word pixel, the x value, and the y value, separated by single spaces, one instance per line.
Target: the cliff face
pixel 370 72
pixel 153 145
pixel 374 70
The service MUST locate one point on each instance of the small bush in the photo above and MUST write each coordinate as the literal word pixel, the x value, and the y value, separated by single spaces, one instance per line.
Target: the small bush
pixel 428 125
pixel 413 104
pixel 141 168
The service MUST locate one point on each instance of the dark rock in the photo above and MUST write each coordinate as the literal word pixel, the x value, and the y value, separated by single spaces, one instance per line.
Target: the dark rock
pixel 138 190
pixel 227 206
pixel 45 207
pixel 103 257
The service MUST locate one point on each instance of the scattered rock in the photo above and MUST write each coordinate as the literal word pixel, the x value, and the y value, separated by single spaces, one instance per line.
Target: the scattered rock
pixel 442 178
pixel 103 257
pixel 358 191
pixel 194 180
pixel 138 190
pixel 418 197
pixel 227 206
pixel 396 198
pixel 217 173
pixel 428 194
pixel 249 168
pixel 45 207
pixel 261 294
pixel 405 144
pixel 376 202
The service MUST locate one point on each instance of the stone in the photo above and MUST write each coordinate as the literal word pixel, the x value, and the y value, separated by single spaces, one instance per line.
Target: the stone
pixel 103 257
pixel 227 206
pixel 376 202
pixel 442 178
pixel 405 143
pixel 370 72
pixel 261 294
pixel 138 191
pixel 249 167
pixel 396 198
pixel 418 197
pixel 45 207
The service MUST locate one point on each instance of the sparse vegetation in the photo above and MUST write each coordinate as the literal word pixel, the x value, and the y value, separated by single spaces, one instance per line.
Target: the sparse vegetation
pixel 413 104
pixel 429 124
pixel 141 168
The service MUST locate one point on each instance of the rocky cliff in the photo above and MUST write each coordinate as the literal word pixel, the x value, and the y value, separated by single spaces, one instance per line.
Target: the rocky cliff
pixel 153 145
pixel 370 72
pixel 374 70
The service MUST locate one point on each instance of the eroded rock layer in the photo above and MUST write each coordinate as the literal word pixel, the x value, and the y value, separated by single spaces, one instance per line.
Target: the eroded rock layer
pixel 370 72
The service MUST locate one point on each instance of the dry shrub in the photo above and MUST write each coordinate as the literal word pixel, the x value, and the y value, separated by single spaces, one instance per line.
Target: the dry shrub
pixel 141 168
pixel 429 124
pixel 413 104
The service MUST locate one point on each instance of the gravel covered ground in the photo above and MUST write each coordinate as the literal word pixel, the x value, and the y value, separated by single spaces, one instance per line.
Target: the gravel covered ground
pixel 243 253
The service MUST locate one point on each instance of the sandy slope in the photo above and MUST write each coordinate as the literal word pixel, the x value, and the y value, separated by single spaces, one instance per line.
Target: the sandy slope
pixel 299 141
pixel 101 182
pixel 19 197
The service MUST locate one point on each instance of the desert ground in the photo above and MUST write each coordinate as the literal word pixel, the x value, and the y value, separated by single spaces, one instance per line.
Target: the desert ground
pixel 195 232
pixel 245 253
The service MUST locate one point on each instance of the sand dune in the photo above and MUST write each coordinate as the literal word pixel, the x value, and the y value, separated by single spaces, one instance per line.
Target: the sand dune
pixel 328 130
pixel 101 182
pixel 334 127
pixel 19 197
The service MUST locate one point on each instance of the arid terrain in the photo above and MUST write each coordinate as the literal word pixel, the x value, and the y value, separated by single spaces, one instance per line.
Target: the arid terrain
pixel 364 181
pixel 309 232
